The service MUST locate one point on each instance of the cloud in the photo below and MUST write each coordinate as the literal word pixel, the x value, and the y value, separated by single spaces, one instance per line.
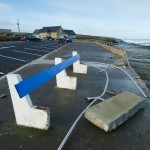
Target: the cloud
pixel 5 24
pixel 5 7
pixel 78 6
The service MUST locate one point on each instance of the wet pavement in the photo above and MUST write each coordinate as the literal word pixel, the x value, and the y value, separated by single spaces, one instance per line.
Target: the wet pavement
pixel 66 105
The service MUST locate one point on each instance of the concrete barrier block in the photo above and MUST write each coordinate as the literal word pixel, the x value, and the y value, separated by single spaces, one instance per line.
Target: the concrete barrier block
pixel 108 115
pixel 64 81
pixel 25 112
pixel 78 67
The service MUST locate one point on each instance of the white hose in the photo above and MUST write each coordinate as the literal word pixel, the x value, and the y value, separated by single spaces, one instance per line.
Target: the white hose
pixel 76 121
pixel 113 66
pixel 97 65
pixel 133 81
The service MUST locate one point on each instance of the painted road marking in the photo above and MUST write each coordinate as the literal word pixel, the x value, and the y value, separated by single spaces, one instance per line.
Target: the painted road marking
pixel 13 58
pixel 36 50
pixel 47 45
pixel 50 47
pixel 40 46
pixel 7 47
pixel 1 73
pixel 26 53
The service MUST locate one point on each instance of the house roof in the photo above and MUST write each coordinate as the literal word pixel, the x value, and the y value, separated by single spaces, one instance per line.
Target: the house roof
pixel 50 29
pixel 69 32
pixel 37 31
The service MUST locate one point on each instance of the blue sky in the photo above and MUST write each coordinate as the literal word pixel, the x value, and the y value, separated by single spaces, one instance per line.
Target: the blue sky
pixel 125 19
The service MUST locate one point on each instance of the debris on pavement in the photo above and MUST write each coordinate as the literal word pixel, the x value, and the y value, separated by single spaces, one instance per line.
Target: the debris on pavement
pixel 3 95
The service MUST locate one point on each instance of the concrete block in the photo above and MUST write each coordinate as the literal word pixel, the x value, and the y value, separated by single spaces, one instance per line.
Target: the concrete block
pixel 108 115
pixel 64 81
pixel 77 67
pixel 25 112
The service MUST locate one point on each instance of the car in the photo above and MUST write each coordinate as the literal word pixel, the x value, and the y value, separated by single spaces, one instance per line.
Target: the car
pixel 32 38
pixel 22 39
pixel 64 39
pixel 49 38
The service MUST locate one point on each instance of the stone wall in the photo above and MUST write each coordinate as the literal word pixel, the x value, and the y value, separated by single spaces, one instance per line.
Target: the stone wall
pixel 114 50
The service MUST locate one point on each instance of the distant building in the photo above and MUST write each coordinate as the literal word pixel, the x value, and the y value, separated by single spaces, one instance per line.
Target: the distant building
pixel 53 32
pixel 5 31
pixel 36 33
pixel 70 33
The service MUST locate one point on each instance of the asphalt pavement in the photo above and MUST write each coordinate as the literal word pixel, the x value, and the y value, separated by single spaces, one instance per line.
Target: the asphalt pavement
pixel 65 106
pixel 18 53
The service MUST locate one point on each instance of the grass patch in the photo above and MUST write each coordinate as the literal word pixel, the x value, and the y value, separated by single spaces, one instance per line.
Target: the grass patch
pixel 99 38
pixel 8 38
pixel 12 36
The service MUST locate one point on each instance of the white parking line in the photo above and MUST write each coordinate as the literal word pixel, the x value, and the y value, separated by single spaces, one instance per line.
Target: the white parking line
pixel 40 46
pixel 7 47
pixel 46 45
pixel 36 50
pixel 1 73
pixel 26 53
pixel 13 58
pixel 50 47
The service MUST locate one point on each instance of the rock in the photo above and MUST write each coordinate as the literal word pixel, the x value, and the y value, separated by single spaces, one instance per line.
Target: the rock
pixel 20 147
pixel 112 92
pixel 109 114
pixel 119 62
pixel 3 96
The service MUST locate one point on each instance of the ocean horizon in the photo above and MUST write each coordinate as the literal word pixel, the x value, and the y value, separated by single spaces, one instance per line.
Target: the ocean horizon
pixel 143 42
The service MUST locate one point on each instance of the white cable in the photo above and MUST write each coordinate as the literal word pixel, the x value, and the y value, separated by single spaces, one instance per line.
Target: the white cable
pixel 113 66
pixel 130 76
pixel 96 65
pixel 76 121
pixel 132 81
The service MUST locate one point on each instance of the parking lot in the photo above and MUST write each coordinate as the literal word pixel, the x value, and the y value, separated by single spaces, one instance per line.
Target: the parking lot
pixel 16 54
pixel 65 105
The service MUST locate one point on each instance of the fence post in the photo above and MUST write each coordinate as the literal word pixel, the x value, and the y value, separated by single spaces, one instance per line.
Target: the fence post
pixel 64 81
pixel 25 112
pixel 77 67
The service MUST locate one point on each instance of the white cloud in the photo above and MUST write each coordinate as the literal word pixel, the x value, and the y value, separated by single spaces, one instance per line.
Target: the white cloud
pixel 5 7
pixel 96 17
pixel 5 24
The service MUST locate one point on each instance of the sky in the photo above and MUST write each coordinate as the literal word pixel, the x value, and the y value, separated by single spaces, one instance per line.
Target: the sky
pixel 124 19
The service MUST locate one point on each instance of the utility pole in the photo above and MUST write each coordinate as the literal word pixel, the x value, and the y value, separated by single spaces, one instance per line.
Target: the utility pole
pixel 18 26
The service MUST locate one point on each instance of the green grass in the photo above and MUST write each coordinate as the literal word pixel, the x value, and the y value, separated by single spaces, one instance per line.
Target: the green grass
pixel 99 38
pixel 13 37
pixel 8 38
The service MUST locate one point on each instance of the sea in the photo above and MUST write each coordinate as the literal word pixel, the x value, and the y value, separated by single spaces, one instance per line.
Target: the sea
pixel 138 52
pixel 142 42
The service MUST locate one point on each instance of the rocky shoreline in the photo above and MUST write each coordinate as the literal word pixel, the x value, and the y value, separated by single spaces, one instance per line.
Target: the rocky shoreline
pixel 139 59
